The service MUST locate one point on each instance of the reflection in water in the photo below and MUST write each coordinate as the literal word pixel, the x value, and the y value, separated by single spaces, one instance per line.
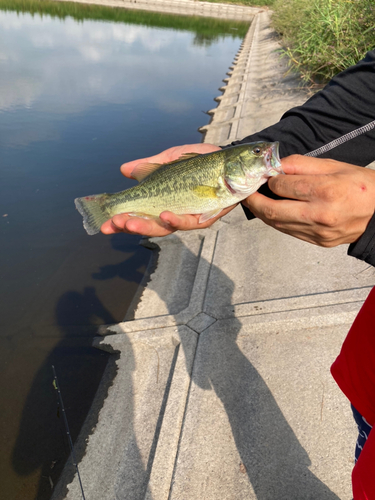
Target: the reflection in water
pixel 41 442
pixel 77 99
pixel 41 446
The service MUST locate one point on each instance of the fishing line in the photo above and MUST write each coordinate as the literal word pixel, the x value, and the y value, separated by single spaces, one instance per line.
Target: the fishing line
pixel 342 139
pixel 57 387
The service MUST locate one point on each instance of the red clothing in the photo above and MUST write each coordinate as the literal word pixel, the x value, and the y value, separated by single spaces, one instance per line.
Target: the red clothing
pixel 354 372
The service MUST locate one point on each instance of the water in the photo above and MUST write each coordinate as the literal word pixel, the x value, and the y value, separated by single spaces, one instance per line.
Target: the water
pixel 78 97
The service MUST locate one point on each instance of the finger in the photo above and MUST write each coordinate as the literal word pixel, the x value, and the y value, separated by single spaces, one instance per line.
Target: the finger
pixel 167 223
pixel 184 222
pixel 286 218
pixel 180 222
pixel 307 165
pixel 147 227
pixel 189 222
pixel 311 188
pixel 296 187
pixel 109 228
pixel 278 212
pixel 136 225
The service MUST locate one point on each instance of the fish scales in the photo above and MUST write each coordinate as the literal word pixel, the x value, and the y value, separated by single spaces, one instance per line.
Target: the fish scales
pixel 202 184
pixel 166 185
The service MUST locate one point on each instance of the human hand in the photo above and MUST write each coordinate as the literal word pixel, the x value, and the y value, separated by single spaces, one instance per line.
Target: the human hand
pixel 329 202
pixel 168 222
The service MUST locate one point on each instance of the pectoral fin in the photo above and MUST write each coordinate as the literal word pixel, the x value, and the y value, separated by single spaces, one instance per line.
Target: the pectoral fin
pixel 209 215
pixel 141 215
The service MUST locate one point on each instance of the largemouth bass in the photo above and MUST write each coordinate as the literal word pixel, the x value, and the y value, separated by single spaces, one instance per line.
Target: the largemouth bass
pixel 194 184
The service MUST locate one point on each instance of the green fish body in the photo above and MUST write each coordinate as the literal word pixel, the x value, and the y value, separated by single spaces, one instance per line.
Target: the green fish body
pixel 194 184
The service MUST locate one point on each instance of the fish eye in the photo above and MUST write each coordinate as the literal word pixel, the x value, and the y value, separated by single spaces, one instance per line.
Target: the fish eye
pixel 256 150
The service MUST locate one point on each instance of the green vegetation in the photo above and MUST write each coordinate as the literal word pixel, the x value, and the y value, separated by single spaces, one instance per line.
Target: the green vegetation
pixel 248 3
pixel 323 37
pixel 206 29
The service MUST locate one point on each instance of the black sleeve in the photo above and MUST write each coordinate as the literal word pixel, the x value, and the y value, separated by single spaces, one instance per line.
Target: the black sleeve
pixel 344 105
pixel 364 248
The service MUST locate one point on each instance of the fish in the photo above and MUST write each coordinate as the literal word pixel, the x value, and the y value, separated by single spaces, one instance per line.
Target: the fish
pixel 195 183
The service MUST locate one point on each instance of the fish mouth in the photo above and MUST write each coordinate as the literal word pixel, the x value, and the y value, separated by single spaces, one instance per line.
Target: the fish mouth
pixel 272 160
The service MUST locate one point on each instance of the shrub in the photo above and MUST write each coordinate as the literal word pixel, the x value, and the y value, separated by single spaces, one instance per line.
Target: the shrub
pixel 323 37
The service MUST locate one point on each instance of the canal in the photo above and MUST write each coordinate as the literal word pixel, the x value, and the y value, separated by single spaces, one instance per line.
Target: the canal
pixel 82 90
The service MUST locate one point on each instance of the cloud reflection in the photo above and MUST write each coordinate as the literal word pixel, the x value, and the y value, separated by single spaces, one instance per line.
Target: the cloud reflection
pixel 44 55
pixel 60 67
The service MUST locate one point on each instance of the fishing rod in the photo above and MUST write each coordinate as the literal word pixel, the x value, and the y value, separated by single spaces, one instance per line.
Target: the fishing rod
pixel 57 387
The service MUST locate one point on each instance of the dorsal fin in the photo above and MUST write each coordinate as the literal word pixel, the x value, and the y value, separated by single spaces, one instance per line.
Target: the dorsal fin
pixel 186 156
pixel 183 157
pixel 143 170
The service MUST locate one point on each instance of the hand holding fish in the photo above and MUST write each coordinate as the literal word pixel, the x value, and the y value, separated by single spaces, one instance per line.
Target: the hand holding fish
pixel 329 202
pixel 199 185
pixel 168 222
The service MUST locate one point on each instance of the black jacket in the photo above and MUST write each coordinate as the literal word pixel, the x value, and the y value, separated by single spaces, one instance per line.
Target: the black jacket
pixel 345 105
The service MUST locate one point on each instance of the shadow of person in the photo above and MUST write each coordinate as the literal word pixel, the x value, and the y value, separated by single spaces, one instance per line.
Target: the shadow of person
pixel 274 460
pixel 60 333
pixel 276 463
pixel 132 268
pixel 42 442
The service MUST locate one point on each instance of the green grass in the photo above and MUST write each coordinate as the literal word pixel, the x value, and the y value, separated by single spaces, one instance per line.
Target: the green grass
pixel 248 3
pixel 206 29
pixel 323 37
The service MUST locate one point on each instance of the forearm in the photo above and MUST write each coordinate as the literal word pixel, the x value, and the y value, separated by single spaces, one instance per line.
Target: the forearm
pixel 344 105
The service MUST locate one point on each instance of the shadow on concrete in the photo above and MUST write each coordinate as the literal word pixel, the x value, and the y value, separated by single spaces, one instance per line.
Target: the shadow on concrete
pixel 276 464
pixel 41 447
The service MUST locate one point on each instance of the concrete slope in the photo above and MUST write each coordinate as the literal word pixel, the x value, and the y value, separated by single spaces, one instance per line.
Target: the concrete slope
pixel 223 387
pixel 182 7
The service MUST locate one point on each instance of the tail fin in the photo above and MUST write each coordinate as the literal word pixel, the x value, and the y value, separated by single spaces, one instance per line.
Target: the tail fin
pixel 93 210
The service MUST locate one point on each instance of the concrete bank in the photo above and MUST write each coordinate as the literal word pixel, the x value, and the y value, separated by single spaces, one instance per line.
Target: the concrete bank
pixel 182 7
pixel 222 386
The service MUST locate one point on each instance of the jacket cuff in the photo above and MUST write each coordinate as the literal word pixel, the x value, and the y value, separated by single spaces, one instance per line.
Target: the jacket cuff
pixel 364 247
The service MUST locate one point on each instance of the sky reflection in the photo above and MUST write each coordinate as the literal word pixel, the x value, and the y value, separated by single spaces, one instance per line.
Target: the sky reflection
pixel 77 99
pixel 91 62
